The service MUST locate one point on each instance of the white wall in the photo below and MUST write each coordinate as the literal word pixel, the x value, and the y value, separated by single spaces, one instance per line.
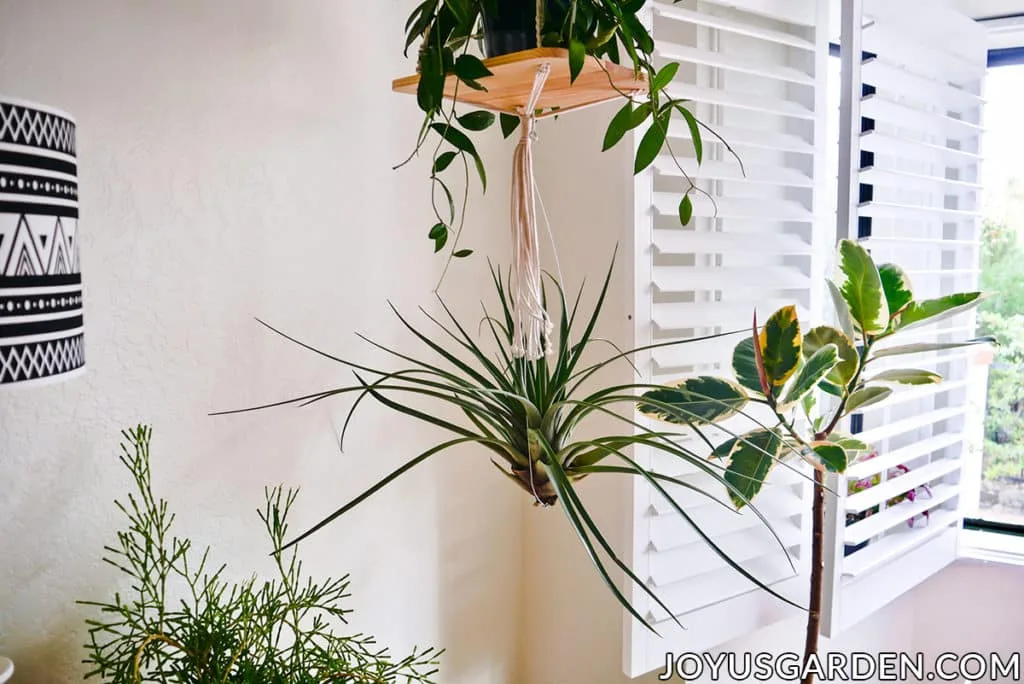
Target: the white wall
pixel 235 161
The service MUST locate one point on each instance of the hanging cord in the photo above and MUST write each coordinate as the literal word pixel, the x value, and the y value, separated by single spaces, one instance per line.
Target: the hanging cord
pixel 532 327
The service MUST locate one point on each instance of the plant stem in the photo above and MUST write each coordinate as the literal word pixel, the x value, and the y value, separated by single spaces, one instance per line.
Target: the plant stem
pixel 817 571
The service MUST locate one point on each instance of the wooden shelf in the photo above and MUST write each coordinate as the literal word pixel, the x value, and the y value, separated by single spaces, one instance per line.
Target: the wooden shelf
pixel 509 87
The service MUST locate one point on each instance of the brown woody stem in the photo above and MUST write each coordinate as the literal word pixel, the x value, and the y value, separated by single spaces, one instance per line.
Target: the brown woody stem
pixel 817 571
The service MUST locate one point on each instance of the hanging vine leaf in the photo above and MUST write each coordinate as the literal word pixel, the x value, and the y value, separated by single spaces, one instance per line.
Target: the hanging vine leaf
pixel 443 161
pixel 685 209
pixel 577 54
pixel 620 124
pixel 479 120
pixel 509 124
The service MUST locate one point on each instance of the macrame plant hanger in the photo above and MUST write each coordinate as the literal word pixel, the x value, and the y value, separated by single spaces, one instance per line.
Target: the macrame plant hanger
pixel 532 326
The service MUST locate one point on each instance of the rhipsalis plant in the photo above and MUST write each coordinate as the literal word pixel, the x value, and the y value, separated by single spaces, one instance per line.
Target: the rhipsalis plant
pixel 181 622
pixel 606 31
pixel 811 380
pixel 524 416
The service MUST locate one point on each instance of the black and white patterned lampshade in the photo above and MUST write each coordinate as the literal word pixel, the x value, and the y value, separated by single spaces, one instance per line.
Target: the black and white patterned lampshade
pixel 40 276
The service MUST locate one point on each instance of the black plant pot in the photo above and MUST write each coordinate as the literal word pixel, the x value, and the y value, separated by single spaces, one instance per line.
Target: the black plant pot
pixel 511 25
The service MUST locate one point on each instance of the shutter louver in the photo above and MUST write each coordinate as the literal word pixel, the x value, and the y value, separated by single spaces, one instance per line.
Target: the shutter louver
pixel 918 189
pixel 755 72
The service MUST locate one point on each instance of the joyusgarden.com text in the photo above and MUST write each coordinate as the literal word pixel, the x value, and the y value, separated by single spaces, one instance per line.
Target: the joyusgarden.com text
pixel 843 667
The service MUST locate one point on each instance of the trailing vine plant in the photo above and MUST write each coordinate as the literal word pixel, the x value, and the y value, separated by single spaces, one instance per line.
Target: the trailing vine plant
pixel 181 622
pixel 601 30
pixel 788 371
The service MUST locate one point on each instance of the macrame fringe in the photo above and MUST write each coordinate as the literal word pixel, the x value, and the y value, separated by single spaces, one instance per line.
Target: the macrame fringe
pixel 532 326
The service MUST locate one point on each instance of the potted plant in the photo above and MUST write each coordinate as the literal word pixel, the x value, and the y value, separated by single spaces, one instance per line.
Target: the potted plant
pixel 811 380
pixel 181 622
pixel 605 31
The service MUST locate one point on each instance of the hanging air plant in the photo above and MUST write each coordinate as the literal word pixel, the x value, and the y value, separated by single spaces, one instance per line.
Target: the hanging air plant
pixel 525 415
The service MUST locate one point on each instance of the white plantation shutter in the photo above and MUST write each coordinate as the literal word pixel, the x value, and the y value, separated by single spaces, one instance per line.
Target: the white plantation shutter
pixel 754 70
pixel 917 195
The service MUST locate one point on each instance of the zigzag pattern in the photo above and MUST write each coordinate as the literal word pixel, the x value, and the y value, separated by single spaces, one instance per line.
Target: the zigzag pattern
pixel 23 126
pixel 23 362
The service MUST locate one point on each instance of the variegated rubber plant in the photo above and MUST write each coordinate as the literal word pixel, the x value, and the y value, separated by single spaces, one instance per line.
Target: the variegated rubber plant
pixel 811 381
pixel 525 417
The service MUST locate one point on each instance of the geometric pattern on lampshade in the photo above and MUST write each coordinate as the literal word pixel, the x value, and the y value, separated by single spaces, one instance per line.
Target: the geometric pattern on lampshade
pixel 41 323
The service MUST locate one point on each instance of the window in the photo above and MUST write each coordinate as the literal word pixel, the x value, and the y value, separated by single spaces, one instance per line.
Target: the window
pixel 1001 495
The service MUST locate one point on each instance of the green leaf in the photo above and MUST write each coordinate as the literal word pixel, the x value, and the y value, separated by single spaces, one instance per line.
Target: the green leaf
pixel 437 231
pixel 430 89
pixel 908 376
pixel 476 121
pixel 811 373
pixel 509 124
pixel 685 210
pixel 577 55
pixel 443 161
pixel 695 401
pixel 745 366
pixel 920 347
pixel 849 359
pixel 750 460
pixel 861 287
pixel 852 445
pixel 618 126
pixel 695 136
pixel 459 140
pixel 842 310
pixel 896 285
pixel 651 144
pixel 933 310
pixel 866 396
pixel 780 345
pixel 462 253
pixel 470 68
pixel 640 115
pixel 664 76
pixel 832 456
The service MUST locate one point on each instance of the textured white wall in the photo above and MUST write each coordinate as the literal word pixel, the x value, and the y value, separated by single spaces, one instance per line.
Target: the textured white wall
pixel 235 161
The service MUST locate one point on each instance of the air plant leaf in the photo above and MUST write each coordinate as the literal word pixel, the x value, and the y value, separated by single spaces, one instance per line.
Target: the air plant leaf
pixel 811 373
pixel 934 310
pixel 866 396
pixel 750 461
pixel 849 359
pixel 861 287
pixel 780 342
pixel 831 455
pixel 907 376
pixel 897 288
pixel 696 401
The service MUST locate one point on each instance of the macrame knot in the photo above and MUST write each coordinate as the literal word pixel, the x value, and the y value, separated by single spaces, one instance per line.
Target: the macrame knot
pixel 532 326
